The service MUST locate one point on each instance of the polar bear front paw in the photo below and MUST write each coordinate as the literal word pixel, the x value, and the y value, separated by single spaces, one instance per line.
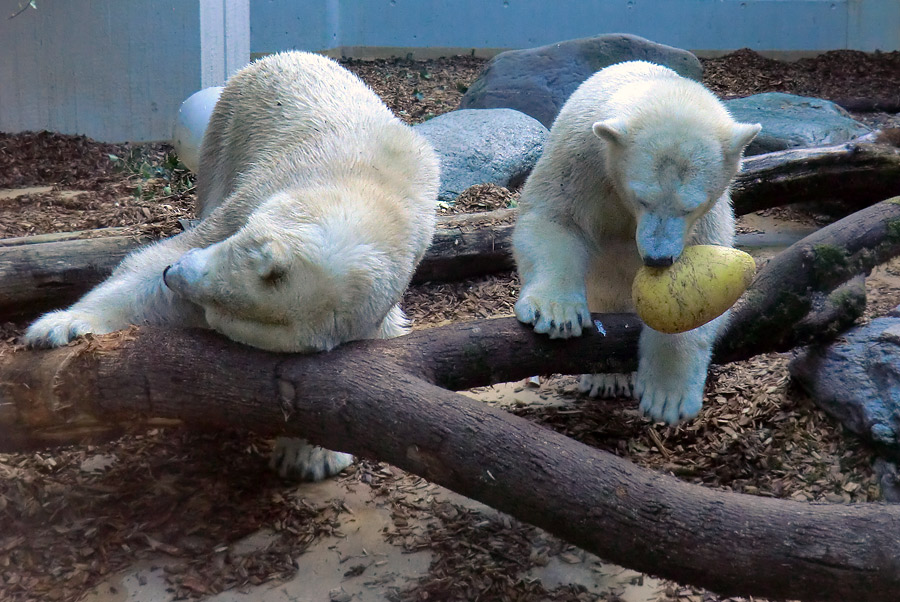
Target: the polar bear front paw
pixel 670 402
pixel 561 317
pixel 59 328
pixel 298 460
pixel 607 385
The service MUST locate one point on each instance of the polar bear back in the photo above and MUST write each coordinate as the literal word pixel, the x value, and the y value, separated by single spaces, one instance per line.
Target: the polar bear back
pixel 289 108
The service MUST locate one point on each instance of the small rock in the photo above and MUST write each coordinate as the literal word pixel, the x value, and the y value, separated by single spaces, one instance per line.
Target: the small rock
pixel 790 121
pixel 538 81
pixel 98 463
pixel 889 479
pixel 857 380
pixel 891 334
pixel 483 146
pixel 339 595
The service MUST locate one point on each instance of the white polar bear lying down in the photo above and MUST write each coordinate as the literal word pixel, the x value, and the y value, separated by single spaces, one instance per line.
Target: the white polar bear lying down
pixel 317 205
pixel 636 167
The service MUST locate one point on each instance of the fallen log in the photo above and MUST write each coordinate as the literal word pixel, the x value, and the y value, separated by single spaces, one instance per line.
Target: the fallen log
pixel 42 276
pixel 858 173
pixel 386 400
pixel 469 245
pixel 855 173
pixel 51 271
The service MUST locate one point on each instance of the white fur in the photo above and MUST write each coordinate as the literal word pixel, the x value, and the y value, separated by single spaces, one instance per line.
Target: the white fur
pixel 636 167
pixel 317 205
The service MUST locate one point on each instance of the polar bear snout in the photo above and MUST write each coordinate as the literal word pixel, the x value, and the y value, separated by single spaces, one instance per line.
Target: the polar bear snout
pixel 188 273
pixel 658 262
pixel 660 240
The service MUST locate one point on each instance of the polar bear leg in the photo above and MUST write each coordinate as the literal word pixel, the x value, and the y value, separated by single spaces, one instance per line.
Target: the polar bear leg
pixel 395 324
pixel 607 385
pixel 297 459
pixel 134 294
pixel 552 262
pixel 672 371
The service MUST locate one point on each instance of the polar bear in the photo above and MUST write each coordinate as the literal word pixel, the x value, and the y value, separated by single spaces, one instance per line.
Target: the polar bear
pixel 317 204
pixel 636 167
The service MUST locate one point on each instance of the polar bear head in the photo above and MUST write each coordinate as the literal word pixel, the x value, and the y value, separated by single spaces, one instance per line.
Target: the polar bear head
pixel 670 169
pixel 293 283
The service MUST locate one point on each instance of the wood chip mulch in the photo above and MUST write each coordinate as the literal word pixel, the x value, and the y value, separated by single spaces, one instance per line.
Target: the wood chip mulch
pixel 482 198
pixel 93 185
pixel 417 90
pixel 858 80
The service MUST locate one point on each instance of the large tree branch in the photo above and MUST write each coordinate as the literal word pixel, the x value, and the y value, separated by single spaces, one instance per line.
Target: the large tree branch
pixel 798 279
pixel 381 399
pixel 36 277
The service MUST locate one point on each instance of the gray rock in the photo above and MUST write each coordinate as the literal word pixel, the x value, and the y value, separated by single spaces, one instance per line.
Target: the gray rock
pixel 538 81
pixel 483 146
pixel 857 380
pixel 791 121
pixel 889 479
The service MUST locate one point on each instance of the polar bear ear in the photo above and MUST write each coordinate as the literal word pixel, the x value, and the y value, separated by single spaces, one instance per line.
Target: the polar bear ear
pixel 742 134
pixel 271 261
pixel 611 130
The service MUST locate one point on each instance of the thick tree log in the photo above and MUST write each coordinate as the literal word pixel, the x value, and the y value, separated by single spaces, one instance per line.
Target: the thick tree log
pixel 856 173
pixel 379 399
pixel 794 281
pixel 469 245
pixel 42 276
pixel 50 271
pixel 859 173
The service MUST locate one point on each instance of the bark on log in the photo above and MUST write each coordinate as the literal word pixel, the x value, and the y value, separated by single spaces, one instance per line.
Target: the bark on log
pixel 380 399
pixel 50 271
pixel 792 282
pixel 860 173
pixel 38 277
pixel 856 173
pixel 469 245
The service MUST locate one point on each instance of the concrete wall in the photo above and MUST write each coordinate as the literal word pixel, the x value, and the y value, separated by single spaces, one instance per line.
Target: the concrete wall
pixel 364 26
pixel 115 70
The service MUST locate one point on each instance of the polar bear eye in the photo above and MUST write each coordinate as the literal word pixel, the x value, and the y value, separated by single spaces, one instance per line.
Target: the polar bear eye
pixel 273 277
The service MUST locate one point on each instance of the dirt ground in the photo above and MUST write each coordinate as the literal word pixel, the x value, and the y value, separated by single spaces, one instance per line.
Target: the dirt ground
pixel 71 518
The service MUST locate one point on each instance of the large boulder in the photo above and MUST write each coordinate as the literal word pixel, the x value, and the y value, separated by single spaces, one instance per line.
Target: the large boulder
pixel 791 121
pixel 483 146
pixel 538 81
pixel 857 379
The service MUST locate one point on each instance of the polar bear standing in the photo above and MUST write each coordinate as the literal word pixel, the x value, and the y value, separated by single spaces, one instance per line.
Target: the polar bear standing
pixel 636 167
pixel 317 205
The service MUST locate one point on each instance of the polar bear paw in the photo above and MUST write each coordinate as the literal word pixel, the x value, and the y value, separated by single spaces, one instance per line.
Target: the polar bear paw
pixel 59 328
pixel 669 402
pixel 298 460
pixel 607 385
pixel 560 316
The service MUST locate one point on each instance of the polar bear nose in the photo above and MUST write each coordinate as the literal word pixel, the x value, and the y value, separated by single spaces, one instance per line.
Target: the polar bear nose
pixel 650 262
